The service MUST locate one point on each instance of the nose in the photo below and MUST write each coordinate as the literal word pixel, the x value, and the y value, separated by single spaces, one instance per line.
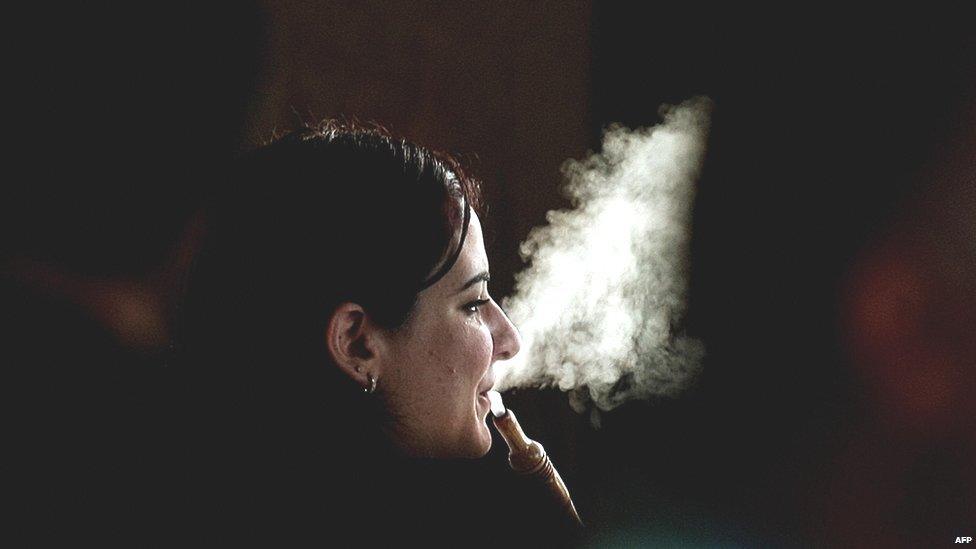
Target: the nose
pixel 504 335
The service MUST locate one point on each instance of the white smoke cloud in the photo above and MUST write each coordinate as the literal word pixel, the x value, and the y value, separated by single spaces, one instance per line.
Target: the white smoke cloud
pixel 606 281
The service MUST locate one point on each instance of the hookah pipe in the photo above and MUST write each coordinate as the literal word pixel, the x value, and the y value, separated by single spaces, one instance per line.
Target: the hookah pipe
pixel 527 457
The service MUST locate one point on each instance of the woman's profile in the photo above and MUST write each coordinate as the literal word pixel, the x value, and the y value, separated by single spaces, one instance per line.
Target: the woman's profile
pixel 339 338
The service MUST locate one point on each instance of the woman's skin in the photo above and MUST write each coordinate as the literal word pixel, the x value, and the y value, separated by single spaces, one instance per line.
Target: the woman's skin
pixel 432 371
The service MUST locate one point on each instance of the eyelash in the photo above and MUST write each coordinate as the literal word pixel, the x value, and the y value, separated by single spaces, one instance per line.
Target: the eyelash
pixel 472 308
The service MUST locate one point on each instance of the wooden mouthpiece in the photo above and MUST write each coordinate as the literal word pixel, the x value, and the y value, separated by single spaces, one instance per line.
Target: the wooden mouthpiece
pixel 528 457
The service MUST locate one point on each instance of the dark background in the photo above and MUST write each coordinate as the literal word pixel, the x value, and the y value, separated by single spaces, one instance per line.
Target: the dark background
pixel 833 253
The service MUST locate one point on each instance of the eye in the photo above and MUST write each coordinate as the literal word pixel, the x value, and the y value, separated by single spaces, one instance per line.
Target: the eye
pixel 472 307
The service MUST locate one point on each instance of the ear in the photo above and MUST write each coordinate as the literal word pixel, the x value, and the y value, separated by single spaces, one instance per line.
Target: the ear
pixel 353 343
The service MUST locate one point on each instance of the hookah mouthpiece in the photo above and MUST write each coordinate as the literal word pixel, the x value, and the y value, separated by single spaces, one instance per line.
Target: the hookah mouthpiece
pixel 527 457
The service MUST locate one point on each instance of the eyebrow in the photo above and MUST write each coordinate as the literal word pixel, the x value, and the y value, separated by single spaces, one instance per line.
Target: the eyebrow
pixel 482 276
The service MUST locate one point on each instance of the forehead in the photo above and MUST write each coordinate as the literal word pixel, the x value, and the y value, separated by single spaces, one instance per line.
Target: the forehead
pixel 471 261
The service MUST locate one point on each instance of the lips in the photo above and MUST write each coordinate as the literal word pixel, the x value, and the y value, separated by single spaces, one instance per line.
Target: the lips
pixel 487 383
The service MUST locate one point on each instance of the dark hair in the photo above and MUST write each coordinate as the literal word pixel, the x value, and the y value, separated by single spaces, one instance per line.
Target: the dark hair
pixel 393 211
pixel 325 215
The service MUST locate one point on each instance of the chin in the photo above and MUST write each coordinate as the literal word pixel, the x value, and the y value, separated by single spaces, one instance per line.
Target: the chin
pixel 479 444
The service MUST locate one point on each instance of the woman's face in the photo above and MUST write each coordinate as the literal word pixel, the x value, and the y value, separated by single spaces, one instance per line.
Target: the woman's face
pixel 440 361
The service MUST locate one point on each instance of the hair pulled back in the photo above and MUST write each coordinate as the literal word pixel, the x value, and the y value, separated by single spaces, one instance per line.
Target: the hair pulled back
pixel 325 215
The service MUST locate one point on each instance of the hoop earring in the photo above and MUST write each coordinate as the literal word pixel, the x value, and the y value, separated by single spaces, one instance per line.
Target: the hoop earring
pixel 372 384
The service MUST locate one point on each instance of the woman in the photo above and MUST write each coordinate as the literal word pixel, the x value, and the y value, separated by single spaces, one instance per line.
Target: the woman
pixel 340 338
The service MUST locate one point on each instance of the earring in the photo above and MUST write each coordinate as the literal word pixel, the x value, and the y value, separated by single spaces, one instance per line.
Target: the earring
pixel 372 384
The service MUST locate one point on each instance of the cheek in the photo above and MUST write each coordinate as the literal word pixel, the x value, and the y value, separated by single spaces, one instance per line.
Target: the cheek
pixel 485 347
pixel 475 347
pixel 451 359
pixel 463 355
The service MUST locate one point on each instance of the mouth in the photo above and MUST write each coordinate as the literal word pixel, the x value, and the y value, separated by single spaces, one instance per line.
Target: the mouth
pixel 487 383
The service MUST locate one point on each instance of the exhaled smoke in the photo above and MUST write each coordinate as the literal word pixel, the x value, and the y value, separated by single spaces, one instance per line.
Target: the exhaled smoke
pixel 603 293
